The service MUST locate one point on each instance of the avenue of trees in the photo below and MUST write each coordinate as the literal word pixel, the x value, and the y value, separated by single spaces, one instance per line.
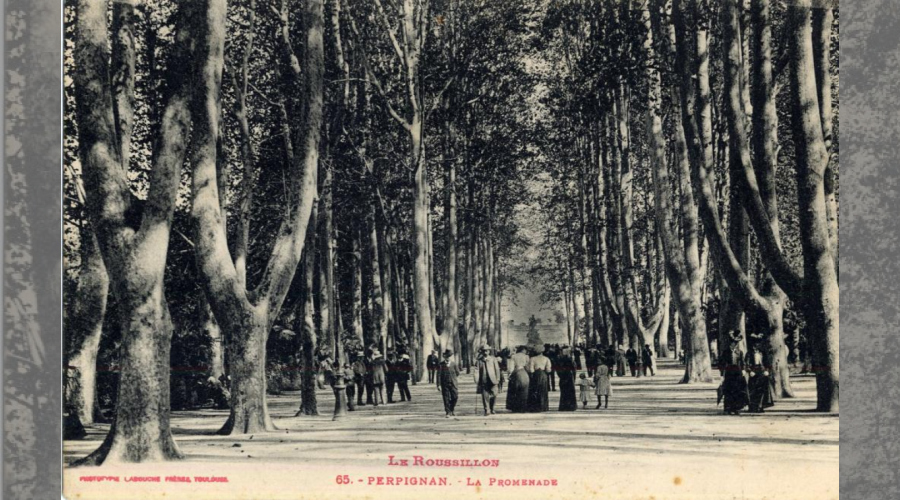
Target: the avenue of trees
pixel 250 184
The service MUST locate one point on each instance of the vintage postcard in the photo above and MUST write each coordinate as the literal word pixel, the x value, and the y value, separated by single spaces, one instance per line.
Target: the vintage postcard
pixel 477 248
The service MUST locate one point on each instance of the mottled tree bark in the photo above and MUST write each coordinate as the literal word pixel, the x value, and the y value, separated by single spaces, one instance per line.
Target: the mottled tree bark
pixel 820 277
pixel 248 316
pixel 133 237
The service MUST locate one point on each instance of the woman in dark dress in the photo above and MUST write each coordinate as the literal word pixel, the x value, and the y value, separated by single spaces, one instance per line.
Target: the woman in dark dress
pixel 734 385
pixel 517 392
pixel 539 366
pixel 566 367
pixel 762 394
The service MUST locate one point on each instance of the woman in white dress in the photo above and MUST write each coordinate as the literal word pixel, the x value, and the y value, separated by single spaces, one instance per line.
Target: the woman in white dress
pixel 602 385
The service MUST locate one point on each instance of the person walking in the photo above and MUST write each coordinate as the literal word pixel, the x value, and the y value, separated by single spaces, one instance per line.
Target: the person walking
pixel 734 385
pixel 567 368
pixel 631 356
pixel 539 367
pixel 602 385
pixel 390 377
pixel 647 358
pixel 517 391
pixel 584 384
pixel 350 384
pixel 432 363
pixel 404 369
pixel 488 379
pixel 620 361
pixel 447 375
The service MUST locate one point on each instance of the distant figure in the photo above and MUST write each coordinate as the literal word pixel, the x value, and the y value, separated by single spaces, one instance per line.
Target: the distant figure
pixel 369 378
pixel 647 357
pixel 734 385
pixel 447 374
pixel 432 364
pixel 609 358
pixel 350 387
pixel 539 366
pixel 552 354
pixel 620 361
pixel 404 369
pixel 632 356
pixel 576 351
pixel 390 375
pixel 584 384
pixel 359 377
pixel 379 369
pixel 602 385
pixel 762 392
pixel 567 370
pixel 488 379
pixel 517 392
pixel 592 359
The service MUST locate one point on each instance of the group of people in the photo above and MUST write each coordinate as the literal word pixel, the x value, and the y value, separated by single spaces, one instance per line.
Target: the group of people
pixel 530 372
pixel 533 372
pixel 371 373
pixel 746 382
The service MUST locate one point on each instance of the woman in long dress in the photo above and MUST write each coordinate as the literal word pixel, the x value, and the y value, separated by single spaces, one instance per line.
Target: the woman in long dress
pixel 538 388
pixel 602 385
pixel 567 369
pixel 762 394
pixel 517 390
pixel 734 385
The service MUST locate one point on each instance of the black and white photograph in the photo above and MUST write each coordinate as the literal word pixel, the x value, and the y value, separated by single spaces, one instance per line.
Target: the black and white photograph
pixel 479 248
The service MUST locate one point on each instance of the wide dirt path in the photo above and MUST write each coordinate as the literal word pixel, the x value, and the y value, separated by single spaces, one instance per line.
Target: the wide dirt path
pixel 659 439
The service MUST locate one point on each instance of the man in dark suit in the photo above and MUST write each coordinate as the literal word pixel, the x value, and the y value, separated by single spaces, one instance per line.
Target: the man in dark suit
pixel 404 368
pixel 432 364
pixel 390 377
pixel 447 375
pixel 488 379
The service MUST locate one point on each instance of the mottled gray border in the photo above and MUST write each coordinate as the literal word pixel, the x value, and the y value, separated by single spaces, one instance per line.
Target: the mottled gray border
pixel 869 236
pixel 32 249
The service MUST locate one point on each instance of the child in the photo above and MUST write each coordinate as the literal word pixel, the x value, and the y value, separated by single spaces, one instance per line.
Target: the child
pixel 603 385
pixel 585 385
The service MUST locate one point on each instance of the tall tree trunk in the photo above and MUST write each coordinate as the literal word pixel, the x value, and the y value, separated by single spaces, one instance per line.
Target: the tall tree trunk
pixel 764 137
pixel 421 276
pixel 248 321
pixel 307 328
pixel 134 254
pixel 326 262
pixel 356 303
pixel 450 319
pixel 87 329
pixel 820 277
pixel 822 21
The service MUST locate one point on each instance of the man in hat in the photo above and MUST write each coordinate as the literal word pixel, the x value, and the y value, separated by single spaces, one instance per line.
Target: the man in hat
pixel 488 379
pixel 647 357
pixel 359 377
pixel 447 375
pixel 379 369
pixel 391 375
pixel 404 369
pixel 432 364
